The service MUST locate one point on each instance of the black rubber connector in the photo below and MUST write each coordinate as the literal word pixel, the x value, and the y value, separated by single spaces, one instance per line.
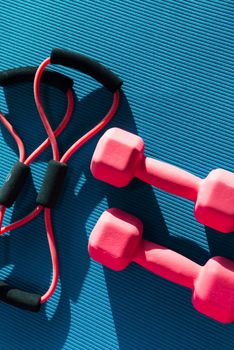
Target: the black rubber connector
pixel 27 74
pixel 88 66
pixel 13 184
pixel 19 298
pixel 52 184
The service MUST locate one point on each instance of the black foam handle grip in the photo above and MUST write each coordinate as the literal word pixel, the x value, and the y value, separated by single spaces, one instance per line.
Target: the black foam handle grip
pixel 27 74
pixel 52 184
pixel 19 298
pixel 13 184
pixel 88 66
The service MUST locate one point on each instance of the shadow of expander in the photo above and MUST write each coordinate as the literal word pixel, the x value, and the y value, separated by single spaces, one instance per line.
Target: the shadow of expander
pixel 27 248
pixel 126 289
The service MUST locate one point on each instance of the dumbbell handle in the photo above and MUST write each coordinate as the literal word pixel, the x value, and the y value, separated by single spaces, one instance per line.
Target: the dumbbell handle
pixel 168 177
pixel 167 264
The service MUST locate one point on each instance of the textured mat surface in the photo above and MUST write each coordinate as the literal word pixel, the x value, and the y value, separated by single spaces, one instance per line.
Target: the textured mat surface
pixel 176 59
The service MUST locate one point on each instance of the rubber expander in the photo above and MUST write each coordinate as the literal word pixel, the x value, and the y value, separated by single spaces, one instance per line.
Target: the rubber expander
pixel 88 66
pixel 13 184
pixel 19 298
pixel 27 74
pixel 52 184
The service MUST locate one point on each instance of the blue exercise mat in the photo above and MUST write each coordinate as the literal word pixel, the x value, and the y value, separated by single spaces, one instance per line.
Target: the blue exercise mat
pixel 176 60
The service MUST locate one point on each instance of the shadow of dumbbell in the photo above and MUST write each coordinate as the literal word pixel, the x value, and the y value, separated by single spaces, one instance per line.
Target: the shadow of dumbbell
pixel 220 243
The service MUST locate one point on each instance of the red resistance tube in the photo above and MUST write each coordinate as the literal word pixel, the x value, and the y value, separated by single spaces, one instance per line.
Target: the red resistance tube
pixel 64 159
pixel 38 150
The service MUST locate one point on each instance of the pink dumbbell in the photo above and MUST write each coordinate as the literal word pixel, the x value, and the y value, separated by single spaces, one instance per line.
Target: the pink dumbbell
pixel 119 157
pixel 116 241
